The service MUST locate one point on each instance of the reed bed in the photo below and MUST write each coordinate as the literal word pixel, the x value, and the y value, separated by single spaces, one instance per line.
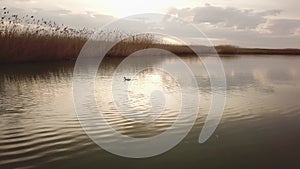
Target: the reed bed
pixel 29 38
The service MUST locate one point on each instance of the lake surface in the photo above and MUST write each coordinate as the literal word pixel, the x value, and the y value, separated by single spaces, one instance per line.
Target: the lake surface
pixel 260 127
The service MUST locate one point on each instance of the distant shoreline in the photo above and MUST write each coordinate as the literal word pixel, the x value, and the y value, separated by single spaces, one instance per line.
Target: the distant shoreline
pixel 60 49
pixel 41 53
pixel 255 51
pixel 30 39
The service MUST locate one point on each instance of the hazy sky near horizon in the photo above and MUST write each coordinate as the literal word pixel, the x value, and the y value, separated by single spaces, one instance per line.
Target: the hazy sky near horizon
pixel 255 23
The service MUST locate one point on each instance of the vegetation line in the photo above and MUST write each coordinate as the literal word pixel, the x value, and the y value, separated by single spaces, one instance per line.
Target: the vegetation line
pixel 28 39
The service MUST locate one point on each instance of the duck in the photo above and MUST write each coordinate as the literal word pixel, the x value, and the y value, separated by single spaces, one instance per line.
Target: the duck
pixel 126 79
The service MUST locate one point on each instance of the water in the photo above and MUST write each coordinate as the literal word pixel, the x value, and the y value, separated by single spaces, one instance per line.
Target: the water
pixel 260 127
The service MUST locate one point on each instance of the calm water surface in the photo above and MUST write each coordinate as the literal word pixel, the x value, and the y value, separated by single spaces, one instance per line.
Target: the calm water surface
pixel 260 127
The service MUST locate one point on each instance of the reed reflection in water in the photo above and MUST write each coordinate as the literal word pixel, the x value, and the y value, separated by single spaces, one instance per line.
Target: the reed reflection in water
pixel 260 126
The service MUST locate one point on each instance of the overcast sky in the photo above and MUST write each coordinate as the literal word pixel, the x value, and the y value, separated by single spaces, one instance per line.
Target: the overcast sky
pixel 255 23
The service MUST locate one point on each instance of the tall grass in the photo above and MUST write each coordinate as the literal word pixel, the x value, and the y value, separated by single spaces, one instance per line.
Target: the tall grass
pixel 27 38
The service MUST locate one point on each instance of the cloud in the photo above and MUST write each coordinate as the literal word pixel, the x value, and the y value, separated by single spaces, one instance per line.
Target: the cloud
pixel 243 27
pixel 284 27
pixel 228 17
pixel 223 25
pixel 252 38
pixel 66 17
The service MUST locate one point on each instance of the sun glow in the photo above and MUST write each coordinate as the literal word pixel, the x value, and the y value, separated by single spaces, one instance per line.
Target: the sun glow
pixel 121 8
pixel 147 84
pixel 171 41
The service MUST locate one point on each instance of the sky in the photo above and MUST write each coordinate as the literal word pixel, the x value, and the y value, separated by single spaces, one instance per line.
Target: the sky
pixel 255 23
